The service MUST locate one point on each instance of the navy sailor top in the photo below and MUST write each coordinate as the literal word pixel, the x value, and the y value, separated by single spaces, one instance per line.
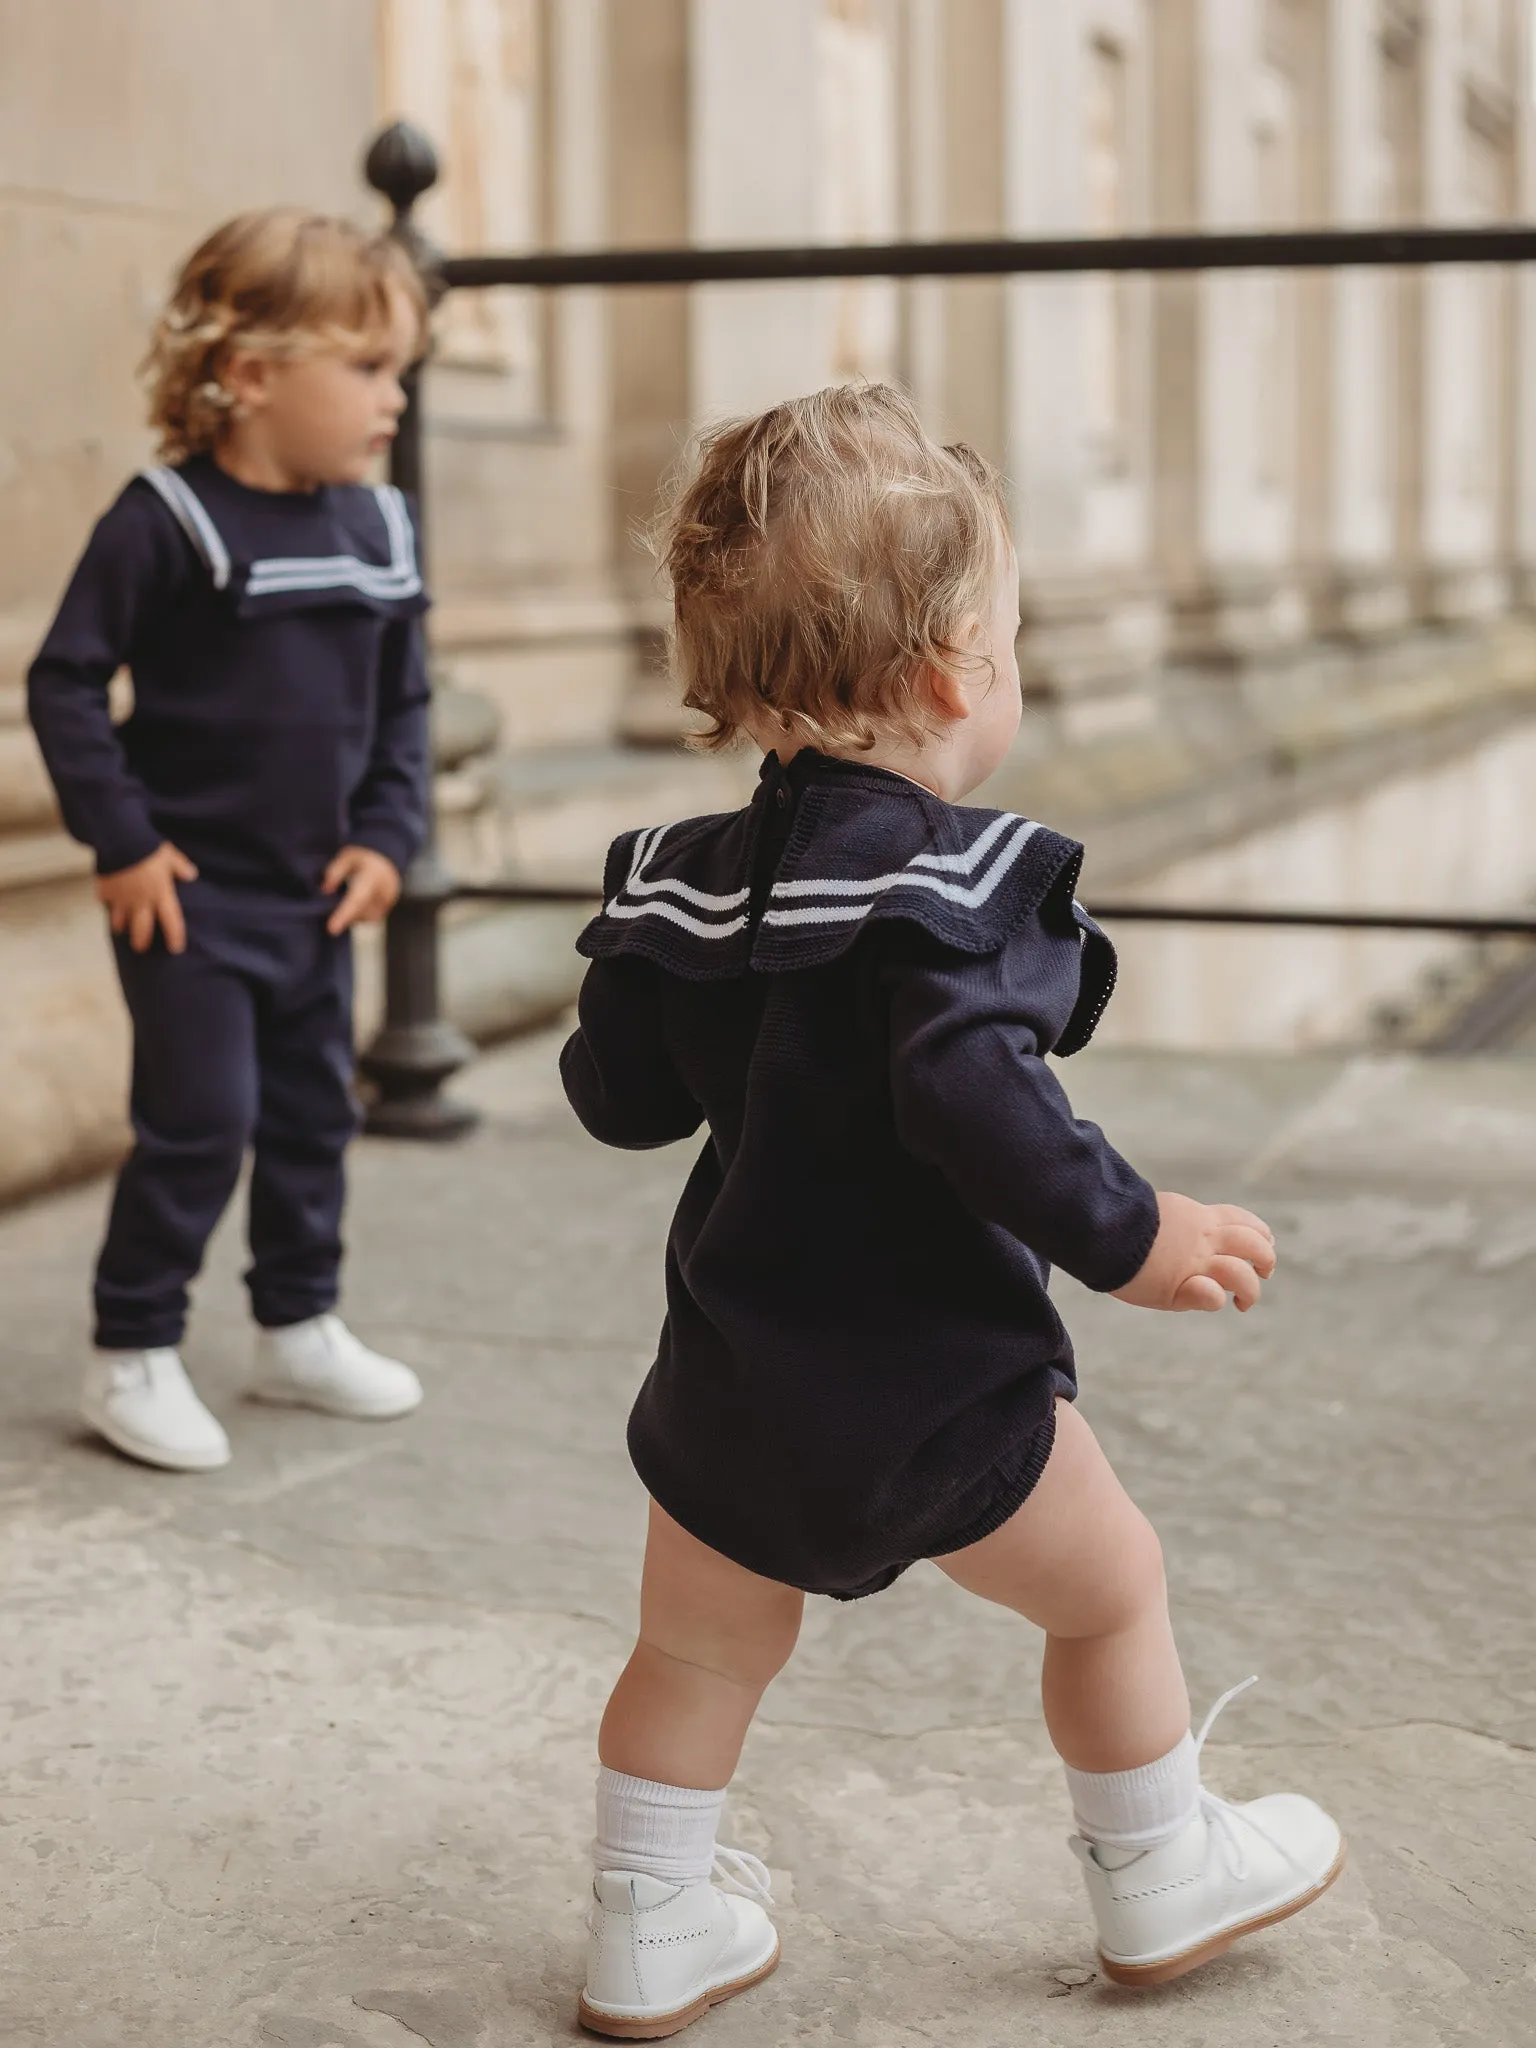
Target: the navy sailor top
pixel 854 985
pixel 279 680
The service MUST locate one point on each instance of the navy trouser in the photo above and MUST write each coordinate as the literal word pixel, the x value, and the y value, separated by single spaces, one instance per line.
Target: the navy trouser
pixel 242 1041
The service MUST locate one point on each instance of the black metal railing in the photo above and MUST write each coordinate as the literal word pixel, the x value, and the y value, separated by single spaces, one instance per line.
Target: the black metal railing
pixel 417 1050
pixel 1000 256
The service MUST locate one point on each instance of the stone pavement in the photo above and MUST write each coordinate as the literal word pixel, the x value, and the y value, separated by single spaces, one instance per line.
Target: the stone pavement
pixel 298 1754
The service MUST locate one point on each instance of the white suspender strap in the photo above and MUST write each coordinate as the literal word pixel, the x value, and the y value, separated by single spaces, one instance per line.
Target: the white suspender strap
pixel 191 516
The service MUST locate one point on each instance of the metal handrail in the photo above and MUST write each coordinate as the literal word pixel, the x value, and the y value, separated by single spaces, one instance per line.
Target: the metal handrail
pixel 516 889
pixel 1320 920
pixel 999 256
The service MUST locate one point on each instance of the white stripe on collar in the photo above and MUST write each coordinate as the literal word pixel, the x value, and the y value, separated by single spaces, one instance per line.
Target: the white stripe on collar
pixel 863 892
pixel 673 915
pixel 866 891
pixel 399 578
pixel 635 884
pixel 191 516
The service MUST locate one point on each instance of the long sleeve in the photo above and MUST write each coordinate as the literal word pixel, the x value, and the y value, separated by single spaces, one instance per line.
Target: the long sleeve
pixel 135 565
pixel 619 1077
pixel 974 1098
pixel 389 806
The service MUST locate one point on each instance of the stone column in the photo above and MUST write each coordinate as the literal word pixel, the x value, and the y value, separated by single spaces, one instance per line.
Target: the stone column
pixel 1524 391
pixel 1459 511
pixel 927 30
pixel 1227 531
pixel 974 117
pixel 649 331
pixel 1075 385
pixel 1364 592
pixel 577 171
pixel 466 71
pixel 755 177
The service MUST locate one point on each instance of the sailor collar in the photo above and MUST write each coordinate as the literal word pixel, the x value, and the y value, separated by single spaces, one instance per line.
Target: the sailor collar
pixel 860 846
pixel 374 563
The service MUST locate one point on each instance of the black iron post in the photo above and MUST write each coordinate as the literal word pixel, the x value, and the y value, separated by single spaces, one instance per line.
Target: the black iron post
pixel 417 1049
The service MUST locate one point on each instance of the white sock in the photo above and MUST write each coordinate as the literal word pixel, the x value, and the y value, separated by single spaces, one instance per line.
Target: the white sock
pixel 1138 1809
pixel 665 1831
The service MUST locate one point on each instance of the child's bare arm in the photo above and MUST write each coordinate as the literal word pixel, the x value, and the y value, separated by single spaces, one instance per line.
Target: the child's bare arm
pixel 1202 1253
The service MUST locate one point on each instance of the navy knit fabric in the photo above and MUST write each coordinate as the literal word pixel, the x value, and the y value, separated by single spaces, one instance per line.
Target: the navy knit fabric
pixel 280 689
pixel 243 1043
pixel 280 713
pixel 854 984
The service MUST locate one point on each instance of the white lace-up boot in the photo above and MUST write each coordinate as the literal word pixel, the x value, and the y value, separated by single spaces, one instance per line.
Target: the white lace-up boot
pixel 320 1364
pixel 145 1406
pixel 1230 1871
pixel 659 1955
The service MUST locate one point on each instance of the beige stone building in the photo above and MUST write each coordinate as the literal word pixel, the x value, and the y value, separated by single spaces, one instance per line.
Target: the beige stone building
pixel 1277 533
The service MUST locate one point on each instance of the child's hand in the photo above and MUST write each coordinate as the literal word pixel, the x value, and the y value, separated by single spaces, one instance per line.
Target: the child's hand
pixel 372 884
pixel 144 896
pixel 1203 1253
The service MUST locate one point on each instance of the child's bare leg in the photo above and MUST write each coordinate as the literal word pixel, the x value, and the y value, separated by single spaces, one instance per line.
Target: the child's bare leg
pixel 1081 1561
pixel 665 1944
pixel 712 1638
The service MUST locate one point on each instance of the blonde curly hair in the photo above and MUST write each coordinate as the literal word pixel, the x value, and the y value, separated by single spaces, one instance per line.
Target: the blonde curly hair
pixel 820 557
pixel 282 282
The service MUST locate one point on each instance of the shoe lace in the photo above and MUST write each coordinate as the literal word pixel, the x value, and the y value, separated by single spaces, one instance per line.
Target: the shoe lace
pixel 735 1870
pixel 1226 1823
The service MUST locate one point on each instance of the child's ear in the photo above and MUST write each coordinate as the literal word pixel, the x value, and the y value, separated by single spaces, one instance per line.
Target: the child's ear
pixel 247 377
pixel 947 694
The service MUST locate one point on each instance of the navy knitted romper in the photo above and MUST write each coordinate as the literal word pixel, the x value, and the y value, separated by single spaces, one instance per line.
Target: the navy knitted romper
pixel 853 984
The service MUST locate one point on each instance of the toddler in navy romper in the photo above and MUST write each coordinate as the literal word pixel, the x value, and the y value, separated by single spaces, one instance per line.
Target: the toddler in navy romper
pixel 853 984
pixel 279 714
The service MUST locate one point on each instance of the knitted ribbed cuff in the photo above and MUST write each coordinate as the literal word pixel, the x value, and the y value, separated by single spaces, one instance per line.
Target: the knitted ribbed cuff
pixel 665 1831
pixel 1141 1808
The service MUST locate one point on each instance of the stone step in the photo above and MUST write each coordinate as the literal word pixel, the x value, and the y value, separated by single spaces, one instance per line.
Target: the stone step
pixel 503 969
pixel 556 666
pixel 553 812
pixel 26 800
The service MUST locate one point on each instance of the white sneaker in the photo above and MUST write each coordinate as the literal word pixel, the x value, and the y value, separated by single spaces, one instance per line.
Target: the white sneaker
pixel 659 1955
pixel 1231 1871
pixel 145 1406
pixel 320 1364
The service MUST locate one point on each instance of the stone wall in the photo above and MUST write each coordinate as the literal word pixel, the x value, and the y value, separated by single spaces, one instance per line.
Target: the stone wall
pixel 125 132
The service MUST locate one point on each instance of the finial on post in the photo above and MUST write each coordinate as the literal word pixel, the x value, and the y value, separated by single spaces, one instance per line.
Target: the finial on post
pixel 402 165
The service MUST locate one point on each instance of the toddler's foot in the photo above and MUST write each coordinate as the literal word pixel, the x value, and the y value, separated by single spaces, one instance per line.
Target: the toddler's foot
pixel 659 1955
pixel 320 1364
pixel 145 1406
pixel 1231 1871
